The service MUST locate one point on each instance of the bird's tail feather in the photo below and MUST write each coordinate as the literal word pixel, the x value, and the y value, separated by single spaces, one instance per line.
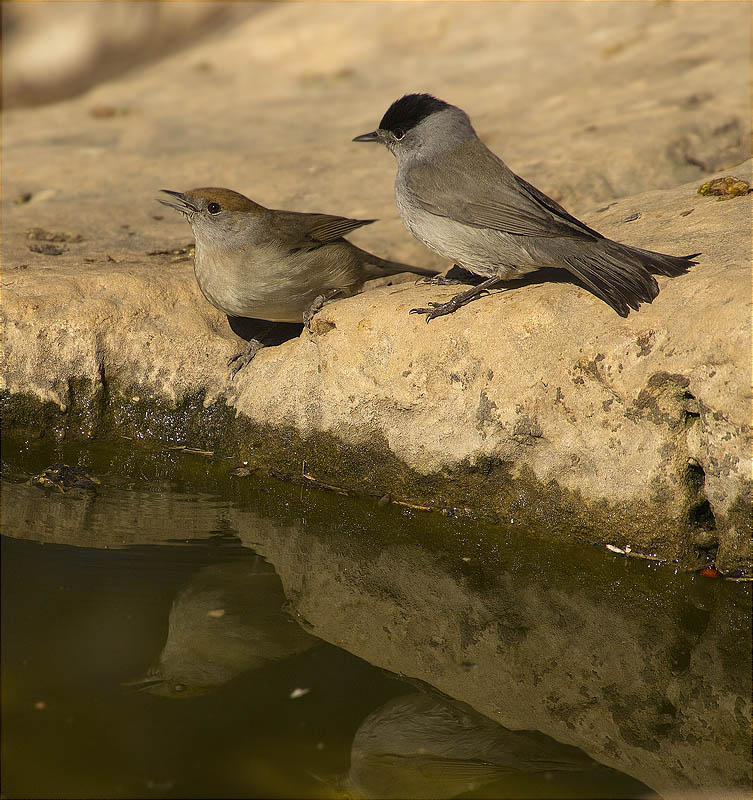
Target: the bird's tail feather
pixel 661 263
pixel 621 275
pixel 380 268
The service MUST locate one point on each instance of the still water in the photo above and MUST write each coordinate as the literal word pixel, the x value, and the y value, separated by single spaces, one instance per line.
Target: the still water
pixel 177 631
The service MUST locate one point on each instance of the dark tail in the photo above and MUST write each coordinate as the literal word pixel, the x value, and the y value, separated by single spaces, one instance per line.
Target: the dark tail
pixel 381 268
pixel 622 275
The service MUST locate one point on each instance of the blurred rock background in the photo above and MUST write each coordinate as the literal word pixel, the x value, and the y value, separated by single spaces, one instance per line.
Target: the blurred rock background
pixel 55 50
pixel 590 101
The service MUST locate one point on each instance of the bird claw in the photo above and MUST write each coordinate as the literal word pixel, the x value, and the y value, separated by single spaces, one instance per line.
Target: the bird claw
pixel 436 310
pixel 239 361
pixel 453 304
pixel 312 311
pixel 319 302
pixel 245 357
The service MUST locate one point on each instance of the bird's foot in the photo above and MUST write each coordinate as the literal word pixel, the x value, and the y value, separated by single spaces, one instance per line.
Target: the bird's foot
pixel 313 310
pixel 440 309
pixel 244 357
pixel 316 306
pixel 436 280
pixel 458 301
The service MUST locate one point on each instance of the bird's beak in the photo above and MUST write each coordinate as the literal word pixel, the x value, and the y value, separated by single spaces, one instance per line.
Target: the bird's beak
pixel 142 684
pixel 368 137
pixel 185 206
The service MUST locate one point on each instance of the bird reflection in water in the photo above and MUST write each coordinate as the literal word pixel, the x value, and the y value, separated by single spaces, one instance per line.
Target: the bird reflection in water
pixel 228 619
pixel 425 746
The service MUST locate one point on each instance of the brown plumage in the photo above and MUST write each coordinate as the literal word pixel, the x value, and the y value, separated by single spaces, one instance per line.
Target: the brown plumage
pixel 279 266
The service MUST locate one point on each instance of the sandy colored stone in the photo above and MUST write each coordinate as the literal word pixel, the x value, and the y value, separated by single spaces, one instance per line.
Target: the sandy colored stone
pixel 644 423
pixel 609 409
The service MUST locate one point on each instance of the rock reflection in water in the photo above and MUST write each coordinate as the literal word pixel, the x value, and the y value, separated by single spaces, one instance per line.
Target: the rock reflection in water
pixel 424 746
pixel 228 619
pixel 647 672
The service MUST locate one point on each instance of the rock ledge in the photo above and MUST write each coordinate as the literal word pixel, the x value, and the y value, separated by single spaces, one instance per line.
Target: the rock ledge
pixel 537 405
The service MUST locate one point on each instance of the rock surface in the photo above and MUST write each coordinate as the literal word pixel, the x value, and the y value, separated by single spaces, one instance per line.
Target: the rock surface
pixel 537 404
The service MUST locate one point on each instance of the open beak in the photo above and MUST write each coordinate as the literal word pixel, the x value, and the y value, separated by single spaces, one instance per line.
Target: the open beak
pixel 368 137
pixel 142 684
pixel 185 206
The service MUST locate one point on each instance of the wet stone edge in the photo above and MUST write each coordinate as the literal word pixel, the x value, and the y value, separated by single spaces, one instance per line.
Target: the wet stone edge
pixel 487 489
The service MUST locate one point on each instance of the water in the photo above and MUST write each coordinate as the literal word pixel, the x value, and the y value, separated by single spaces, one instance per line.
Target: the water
pixel 178 632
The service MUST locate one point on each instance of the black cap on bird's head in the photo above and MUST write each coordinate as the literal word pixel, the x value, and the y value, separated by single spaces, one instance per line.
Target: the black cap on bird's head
pixel 409 110
pixel 403 115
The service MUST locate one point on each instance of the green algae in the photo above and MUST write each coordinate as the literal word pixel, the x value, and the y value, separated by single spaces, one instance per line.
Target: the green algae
pixel 486 490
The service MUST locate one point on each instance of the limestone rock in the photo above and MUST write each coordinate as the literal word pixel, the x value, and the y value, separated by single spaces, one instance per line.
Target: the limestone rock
pixel 537 404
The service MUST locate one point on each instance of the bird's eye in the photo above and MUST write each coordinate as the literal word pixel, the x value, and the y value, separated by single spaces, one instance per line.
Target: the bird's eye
pixel 214 208
pixel 398 133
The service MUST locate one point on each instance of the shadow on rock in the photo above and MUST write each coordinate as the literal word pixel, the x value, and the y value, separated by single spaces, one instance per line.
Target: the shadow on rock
pixel 270 334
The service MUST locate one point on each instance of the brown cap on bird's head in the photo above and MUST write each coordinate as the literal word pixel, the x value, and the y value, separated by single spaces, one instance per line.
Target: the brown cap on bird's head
pixel 211 199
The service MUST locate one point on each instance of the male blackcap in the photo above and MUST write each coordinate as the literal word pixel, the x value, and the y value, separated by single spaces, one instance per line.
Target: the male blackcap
pixel 464 203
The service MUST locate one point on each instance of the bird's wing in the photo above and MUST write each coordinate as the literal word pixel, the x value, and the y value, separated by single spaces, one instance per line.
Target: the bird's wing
pixel 471 185
pixel 302 229
pixel 420 776
pixel 459 769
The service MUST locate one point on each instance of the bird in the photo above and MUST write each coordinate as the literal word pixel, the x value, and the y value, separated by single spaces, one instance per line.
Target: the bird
pixel 278 266
pixel 463 202
pixel 228 619
pixel 423 745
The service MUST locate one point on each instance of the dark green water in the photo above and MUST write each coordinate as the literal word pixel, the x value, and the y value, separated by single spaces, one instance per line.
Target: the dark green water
pixel 174 571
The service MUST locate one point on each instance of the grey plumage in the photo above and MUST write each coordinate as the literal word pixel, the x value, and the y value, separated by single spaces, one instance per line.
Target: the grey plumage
pixel 426 746
pixel 463 202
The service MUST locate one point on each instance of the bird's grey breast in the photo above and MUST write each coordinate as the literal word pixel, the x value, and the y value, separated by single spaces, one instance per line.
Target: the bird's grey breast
pixel 479 250
pixel 271 281
pixel 222 275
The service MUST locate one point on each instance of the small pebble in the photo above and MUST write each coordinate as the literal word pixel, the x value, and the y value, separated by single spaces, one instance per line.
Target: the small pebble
pixel 41 235
pixel 104 111
pixel 47 249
